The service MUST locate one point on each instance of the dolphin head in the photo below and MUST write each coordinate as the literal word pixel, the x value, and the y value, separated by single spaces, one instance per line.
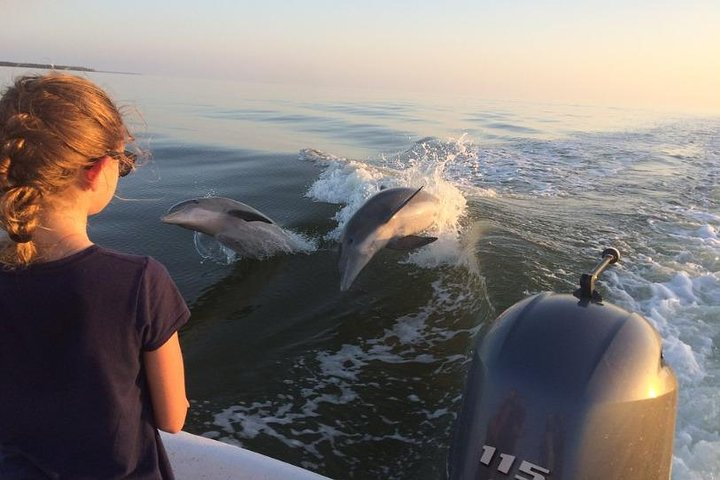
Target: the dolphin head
pixel 358 245
pixel 199 214
pixel 352 261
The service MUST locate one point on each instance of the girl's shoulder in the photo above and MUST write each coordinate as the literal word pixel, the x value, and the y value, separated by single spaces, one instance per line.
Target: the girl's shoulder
pixel 149 266
pixel 109 254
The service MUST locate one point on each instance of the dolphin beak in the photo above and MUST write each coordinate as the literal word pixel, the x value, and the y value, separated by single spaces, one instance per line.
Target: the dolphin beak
pixel 346 281
pixel 169 218
pixel 178 217
pixel 351 263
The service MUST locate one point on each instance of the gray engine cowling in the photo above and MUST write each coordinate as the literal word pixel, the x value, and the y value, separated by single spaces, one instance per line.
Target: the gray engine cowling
pixel 564 388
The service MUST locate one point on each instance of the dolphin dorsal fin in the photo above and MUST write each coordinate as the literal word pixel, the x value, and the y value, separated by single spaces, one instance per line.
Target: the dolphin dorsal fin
pixel 249 216
pixel 402 204
pixel 410 242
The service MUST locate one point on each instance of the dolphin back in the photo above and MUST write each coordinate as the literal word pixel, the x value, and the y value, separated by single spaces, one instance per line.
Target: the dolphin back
pixel 383 206
pixel 224 205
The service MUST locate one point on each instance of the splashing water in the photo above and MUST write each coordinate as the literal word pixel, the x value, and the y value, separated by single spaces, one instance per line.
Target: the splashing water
pixel 351 182
pixel 210 249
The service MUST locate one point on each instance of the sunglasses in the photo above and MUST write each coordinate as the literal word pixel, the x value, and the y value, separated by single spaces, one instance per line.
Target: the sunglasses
pixel 126 161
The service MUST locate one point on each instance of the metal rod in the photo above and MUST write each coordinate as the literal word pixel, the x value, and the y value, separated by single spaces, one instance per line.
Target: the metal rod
pixel 587 280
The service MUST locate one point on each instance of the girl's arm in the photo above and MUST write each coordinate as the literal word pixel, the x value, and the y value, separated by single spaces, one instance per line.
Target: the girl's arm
pixel 166 377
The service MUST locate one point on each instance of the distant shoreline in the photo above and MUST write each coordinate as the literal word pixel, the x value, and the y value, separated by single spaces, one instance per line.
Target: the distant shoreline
pixel 52 66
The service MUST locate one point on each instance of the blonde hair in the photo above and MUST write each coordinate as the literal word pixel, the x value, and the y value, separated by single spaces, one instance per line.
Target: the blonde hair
pixel 51 126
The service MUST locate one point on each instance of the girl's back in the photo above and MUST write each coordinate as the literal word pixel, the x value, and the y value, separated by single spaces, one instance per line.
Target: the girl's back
pixel 74 399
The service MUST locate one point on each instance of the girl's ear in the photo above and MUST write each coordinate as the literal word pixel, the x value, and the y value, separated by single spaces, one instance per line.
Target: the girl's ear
pixel 91 174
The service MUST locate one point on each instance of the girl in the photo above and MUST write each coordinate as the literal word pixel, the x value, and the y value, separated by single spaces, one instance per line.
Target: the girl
pixel 90 363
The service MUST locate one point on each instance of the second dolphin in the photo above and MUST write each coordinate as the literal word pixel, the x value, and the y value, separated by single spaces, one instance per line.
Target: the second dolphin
pixel 389 219
pixel 236 225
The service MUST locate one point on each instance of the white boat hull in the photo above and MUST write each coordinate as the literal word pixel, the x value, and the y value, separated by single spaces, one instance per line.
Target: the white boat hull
pixel 199 458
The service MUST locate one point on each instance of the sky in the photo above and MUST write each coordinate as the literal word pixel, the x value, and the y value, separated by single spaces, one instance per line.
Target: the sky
pixel 639 53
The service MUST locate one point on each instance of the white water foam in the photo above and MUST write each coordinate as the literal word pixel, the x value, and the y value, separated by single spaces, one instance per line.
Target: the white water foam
pixel 679 292
pixel 582 162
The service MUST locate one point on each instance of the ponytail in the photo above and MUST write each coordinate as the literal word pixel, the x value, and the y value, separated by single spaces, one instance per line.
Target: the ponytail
pixel 51 126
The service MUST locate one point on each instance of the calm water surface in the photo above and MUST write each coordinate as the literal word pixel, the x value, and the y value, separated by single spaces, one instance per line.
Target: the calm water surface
pixel 366 384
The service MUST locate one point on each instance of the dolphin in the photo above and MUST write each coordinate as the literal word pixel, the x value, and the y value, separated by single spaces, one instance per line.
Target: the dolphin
pixel 391 218
pixel 236 225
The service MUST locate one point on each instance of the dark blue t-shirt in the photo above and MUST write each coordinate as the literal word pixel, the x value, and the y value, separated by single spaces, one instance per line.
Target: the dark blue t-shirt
pixel 74 399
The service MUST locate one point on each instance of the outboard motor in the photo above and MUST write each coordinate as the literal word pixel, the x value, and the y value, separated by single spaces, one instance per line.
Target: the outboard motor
pixel 567 387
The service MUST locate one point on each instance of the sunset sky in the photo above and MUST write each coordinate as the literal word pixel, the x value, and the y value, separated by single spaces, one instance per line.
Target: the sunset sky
pixel 657 53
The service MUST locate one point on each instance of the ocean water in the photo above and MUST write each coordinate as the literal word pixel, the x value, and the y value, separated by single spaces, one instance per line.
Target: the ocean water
pixel 366 384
